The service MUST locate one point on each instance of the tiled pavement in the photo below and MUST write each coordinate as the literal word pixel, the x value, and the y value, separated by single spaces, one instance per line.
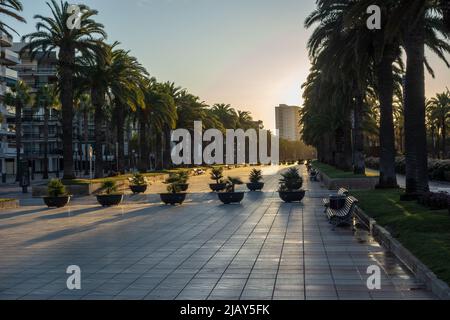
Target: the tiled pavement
pixel 262 249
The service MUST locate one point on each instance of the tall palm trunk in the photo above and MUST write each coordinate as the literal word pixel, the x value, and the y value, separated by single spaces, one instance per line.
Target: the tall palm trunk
pixel 66 58
pixel 98 100
pixel 388 177
pixel 143 145
pixel 415 130
pixel 120 138
pixel 444 139
pixel 86 140
pixel 167 149
pixel 359 166
pixel 18 140
pixel 46 120
pixel 346 161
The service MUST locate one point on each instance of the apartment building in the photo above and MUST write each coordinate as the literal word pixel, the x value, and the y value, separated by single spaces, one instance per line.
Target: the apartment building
pixel 288 122
pixel 8 78
pixel 37 72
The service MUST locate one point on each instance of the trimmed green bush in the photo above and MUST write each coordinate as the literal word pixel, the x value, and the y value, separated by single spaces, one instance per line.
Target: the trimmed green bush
pixel 438 170
pixel 291 180
pixel 256 176
pixel 56 188
pixel 109 187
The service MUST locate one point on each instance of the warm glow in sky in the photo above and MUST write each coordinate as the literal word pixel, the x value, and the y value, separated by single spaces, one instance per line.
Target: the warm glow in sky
pixel 249 53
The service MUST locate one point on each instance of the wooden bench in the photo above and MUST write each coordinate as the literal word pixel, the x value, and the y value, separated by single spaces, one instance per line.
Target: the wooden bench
pixel 341 192
pixel 343 216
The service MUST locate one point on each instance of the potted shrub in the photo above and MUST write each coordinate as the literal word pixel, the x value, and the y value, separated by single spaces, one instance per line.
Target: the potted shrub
pixel 138 183
pixel 110 196
pixel 175 195
pixel 183 178
pixel 256 183
pixel 217 176
pixel 57 194
pixel 290 185
pixel 230 195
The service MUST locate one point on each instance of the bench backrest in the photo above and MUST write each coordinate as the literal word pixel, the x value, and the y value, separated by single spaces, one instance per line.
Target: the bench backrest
pixel 349 204
pixel 343 191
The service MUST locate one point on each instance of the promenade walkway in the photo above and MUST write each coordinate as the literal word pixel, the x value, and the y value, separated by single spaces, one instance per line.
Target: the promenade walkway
pixel 262 249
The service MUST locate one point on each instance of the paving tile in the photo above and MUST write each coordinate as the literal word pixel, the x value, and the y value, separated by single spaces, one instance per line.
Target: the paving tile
pixel 262 249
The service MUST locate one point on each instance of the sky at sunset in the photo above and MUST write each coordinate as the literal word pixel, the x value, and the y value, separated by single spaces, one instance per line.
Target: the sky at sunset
pixel 249 53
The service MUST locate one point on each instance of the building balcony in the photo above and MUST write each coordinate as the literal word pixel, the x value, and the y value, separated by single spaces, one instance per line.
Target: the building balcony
pixel 5 40
pixel 9 76
pixel 8 149
pixel 37 72
pixel 28 120
pixel 9 57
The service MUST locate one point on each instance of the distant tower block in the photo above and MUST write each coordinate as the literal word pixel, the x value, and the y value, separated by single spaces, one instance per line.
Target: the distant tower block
pixel 288 122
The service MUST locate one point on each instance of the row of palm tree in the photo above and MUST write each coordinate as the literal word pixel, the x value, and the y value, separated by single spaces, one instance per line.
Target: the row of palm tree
pixel 438 123
pixel 355 68
pixel 104 81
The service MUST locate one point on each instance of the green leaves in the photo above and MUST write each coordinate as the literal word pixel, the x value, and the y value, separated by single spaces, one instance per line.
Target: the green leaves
pixel 138 179
pixel 217 174
pixel 55 188
pixel 291 180
pixel 256 176
pixel 109 187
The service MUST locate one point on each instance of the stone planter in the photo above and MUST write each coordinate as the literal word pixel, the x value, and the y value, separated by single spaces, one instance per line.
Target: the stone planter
pixel 57 202
pixel 292 196
pixel 367 183
pixel 257 186
pixel 138 189
pixel 108 200
pixel 183 187
pixel 80 190
pixel 9 204
pixel 173 198
pixel 216 187
pixel 231 197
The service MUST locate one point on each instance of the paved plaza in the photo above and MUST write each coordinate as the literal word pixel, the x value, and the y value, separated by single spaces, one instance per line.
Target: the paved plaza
pixel 262 249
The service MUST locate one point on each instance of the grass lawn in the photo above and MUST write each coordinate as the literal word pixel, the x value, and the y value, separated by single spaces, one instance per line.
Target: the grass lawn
pixel 424 232
pixel 334 173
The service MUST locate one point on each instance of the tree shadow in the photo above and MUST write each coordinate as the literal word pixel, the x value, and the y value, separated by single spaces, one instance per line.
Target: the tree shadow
pixel 69 213
pixel 22 213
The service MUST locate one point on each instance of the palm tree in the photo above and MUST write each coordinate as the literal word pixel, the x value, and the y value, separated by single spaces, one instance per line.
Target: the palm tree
pixel 333 41
pixel 53 32
pixel 226 114
pixel 84 106
pixel 128 96
pixel 160 117
pixel 439 108
pixel 19 97
pixel 113 76
pixel 416 23
pixel 245 120
pixel 9 8
pixel 46 98
pixel 170 96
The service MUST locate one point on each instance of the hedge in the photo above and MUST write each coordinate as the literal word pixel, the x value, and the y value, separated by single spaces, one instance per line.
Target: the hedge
pixel 438 169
